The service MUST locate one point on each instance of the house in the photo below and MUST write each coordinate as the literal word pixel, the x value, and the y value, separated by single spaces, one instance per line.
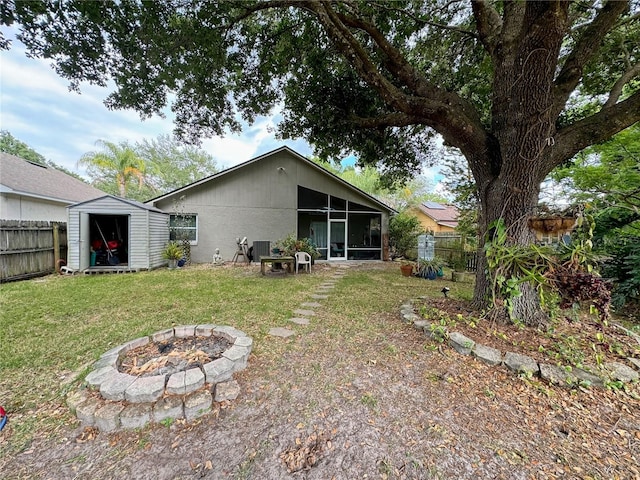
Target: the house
pixel 30 191
pixel 436 217
pixel 116 234
pixel 269 197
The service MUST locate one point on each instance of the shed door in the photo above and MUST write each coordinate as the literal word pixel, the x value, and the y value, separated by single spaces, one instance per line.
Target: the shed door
pixel 84 241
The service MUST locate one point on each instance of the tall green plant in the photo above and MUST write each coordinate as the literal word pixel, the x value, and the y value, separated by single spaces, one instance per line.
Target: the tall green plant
pixel 404 229
pixel 566 270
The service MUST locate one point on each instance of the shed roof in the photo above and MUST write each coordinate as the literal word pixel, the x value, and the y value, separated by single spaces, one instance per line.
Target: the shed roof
pixel 442 214
pixel 22 177
pixel 127 201
pixel 257 159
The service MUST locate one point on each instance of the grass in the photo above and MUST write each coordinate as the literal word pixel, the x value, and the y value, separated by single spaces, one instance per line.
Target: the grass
pixel 56 326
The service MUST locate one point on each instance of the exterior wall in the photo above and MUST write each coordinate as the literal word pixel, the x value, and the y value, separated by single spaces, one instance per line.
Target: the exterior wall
pixel 148 232
pixel 258 201
pixel 18 207
pixel 429 224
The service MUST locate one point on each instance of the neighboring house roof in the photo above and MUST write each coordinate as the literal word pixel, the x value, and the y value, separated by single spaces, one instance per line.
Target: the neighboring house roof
pixel 446 215
pixel 257 159
pixel 22 177
pixel 128 201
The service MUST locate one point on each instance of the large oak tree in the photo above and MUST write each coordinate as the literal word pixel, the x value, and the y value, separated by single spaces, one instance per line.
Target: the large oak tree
pixel 498 80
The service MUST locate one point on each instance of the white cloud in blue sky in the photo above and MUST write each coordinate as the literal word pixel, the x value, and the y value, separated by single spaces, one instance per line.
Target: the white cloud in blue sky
pixel 37 108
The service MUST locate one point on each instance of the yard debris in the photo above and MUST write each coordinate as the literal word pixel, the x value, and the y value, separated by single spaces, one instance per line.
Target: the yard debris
pixel 306 454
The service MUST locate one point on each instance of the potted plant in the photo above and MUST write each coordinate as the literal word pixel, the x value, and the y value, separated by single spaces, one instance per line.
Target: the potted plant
pixel 172 252
pixel 458 262
pixel 406 267
pixel 429 268
pixel 290 245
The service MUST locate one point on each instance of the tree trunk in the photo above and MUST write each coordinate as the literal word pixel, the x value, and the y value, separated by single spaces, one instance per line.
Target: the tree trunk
pixel 508 174
pixel 512 199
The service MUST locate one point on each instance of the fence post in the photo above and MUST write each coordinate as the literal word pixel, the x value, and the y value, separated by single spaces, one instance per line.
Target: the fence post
pixel 56 246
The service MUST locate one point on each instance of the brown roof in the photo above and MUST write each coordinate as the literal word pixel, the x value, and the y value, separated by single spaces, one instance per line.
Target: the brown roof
pixel 441 214
pixel 22 177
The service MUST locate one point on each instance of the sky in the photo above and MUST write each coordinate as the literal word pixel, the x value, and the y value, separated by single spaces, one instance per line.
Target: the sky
pixel 37 108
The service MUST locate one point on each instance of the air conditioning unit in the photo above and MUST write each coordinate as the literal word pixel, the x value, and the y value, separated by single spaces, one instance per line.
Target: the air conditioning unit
pixel 261 248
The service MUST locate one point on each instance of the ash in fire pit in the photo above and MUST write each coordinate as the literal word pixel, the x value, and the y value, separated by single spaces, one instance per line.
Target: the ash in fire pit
pixel 173 355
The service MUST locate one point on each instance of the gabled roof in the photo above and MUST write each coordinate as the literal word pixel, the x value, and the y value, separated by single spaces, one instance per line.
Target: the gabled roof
pixel 128 201
pixel 257 159
pixel 446 215
pixel 21 177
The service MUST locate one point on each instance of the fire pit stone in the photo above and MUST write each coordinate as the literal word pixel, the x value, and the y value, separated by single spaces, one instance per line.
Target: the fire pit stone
pixel 211 355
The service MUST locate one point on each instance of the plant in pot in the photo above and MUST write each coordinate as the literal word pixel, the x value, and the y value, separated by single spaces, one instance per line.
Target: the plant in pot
pixel 172 252
pixel 458 262
pixel 290 245
pixel 406 267
pixel 430 269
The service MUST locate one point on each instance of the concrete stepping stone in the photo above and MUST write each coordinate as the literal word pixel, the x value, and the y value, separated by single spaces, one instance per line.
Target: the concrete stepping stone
pixel 299 321
pixel 304 313
pixel 281 332
pixel 319 297
pixel 311 304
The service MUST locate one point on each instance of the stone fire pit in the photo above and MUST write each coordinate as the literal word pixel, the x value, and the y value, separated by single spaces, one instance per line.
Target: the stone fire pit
pixel 175 373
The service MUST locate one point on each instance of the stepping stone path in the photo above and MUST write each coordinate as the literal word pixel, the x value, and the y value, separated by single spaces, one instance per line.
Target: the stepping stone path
pixel 523 364
pixel 303 315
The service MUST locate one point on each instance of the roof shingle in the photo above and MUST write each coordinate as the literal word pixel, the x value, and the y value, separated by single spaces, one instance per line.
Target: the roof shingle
pixel 23 177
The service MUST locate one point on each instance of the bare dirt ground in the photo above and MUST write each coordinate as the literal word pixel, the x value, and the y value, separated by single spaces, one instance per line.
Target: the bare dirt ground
pixel 391 405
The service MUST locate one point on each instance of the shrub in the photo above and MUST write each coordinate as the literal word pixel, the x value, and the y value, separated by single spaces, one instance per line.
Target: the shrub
pixel 404 229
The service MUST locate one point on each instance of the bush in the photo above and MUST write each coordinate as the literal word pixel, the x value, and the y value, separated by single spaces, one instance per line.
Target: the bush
pixel 290 245
pixel 404 229
pixel 623 267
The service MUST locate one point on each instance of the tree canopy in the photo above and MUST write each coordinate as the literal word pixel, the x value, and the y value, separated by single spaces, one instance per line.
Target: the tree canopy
pixel 497 80
pixel 114 164
pixel 148 168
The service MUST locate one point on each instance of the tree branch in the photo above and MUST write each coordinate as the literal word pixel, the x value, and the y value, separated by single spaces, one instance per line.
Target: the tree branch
pixel 417 19
pixel 385 120
pixel 489 24
pixel 616 91
pixel 594 129
pixel 584 49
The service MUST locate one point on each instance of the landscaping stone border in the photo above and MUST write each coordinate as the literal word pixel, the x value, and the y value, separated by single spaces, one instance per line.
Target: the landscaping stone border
pixel 129 401
pixel 522 364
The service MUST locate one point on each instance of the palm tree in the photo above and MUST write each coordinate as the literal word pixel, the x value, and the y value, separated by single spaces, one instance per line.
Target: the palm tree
pixel 117 162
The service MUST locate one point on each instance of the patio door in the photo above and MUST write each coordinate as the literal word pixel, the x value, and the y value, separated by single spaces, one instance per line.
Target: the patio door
pixel 337 235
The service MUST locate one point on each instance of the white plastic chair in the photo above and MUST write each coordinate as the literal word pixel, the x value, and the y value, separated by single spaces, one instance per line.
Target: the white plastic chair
pixel 303 258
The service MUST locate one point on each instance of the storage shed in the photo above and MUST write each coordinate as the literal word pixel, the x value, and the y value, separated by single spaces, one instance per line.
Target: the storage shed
pixel 116 234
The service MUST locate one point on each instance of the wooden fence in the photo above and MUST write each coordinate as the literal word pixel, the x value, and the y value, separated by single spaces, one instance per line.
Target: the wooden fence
pixel 450 245
pixel 30 248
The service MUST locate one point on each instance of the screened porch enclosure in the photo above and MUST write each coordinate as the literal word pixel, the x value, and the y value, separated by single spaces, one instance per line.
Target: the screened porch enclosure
pixel 341 229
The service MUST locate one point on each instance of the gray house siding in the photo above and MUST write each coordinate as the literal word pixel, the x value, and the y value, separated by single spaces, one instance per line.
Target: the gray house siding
pixel 147 231
pixel 258 200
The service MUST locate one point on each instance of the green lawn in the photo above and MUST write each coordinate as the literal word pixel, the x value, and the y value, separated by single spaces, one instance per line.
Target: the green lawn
pixel 57 325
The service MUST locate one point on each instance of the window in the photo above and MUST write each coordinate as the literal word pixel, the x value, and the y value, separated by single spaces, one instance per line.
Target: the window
pixel 184 227
pixel 311 200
